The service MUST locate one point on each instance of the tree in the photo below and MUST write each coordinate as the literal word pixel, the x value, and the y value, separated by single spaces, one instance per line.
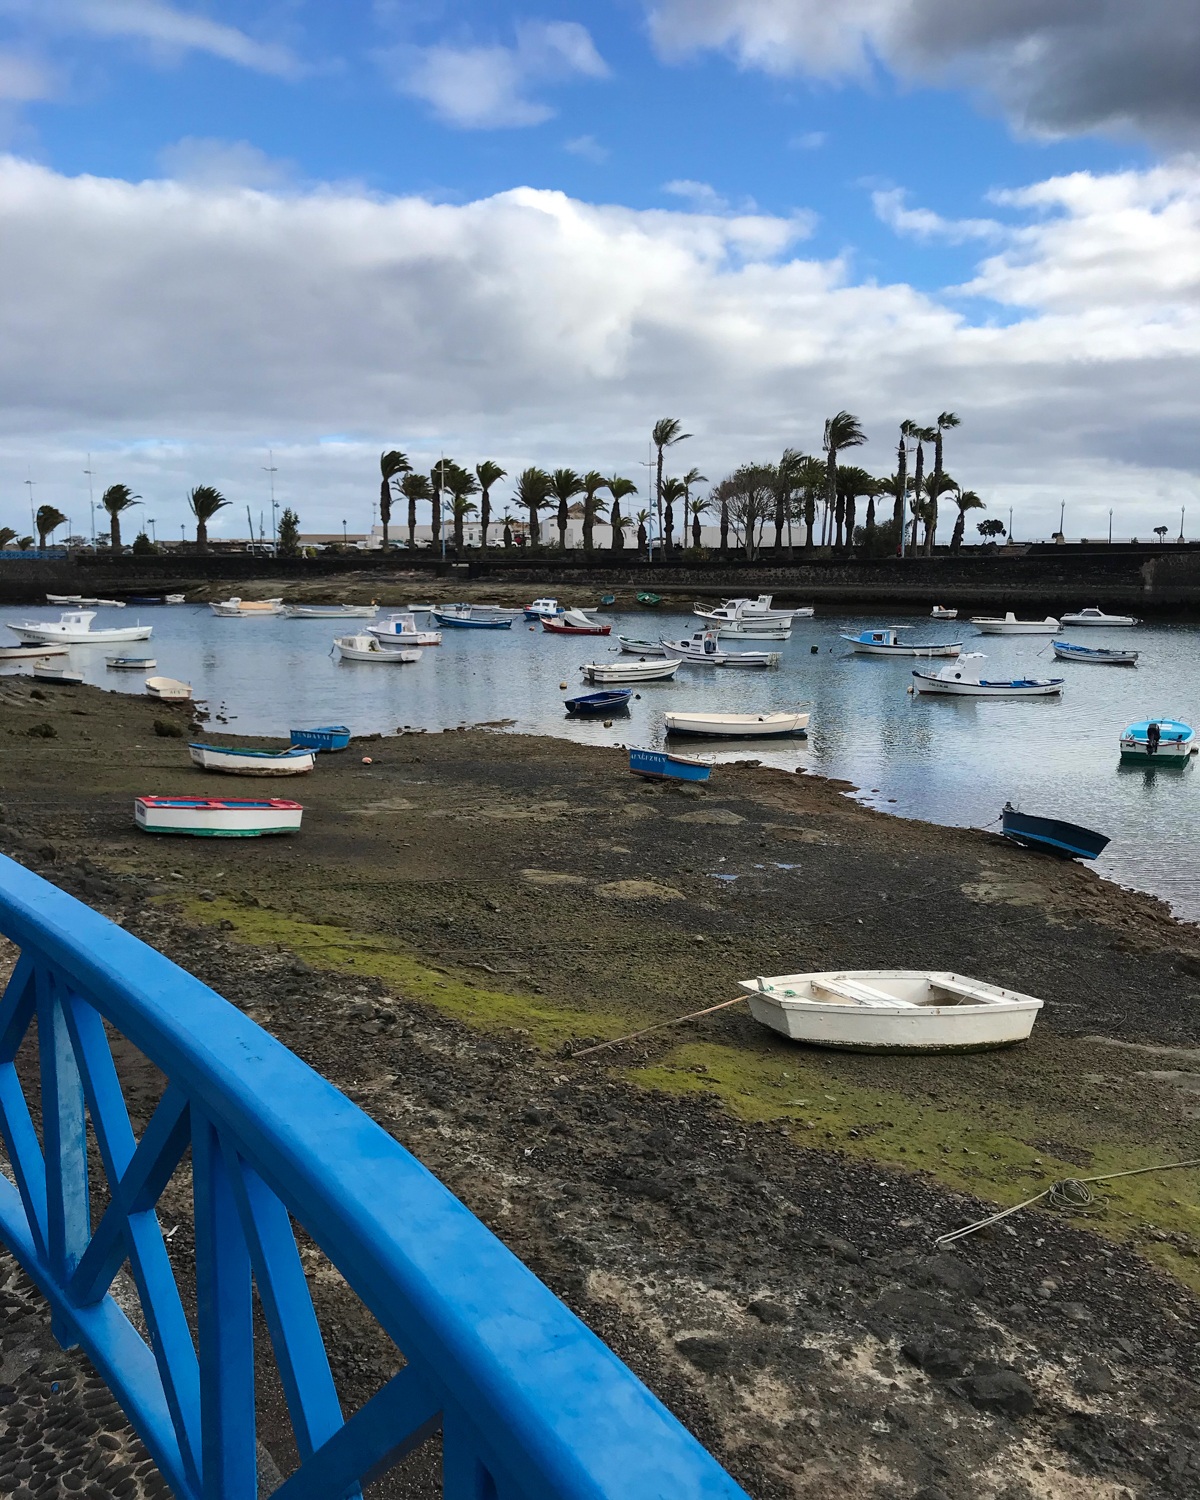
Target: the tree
pixel 690 479
pixel 116 499
pixel 922 435
pixel 965 500
pixel 665 434
pixel 934 486
pixel 992 527
pixel 1159 531
pixel 641 518
pixel 25 544
pixel 751 501
pixel 670 490
pixel 415 487
pixel 7 537
pixel 853 482
pixel 785 483
pixel 533 492
pixel 462 485
pixel 289 533
pixel 507 533
pixel 391 464
pixel 488 473
pixel 945 422
pixel 841 432
pixel 48 519
pixel 593 483
pixel 697 507
pixel 810 481
pixel 907 428
pixel 565 484
pixel 143 546
pixel 620 489
pixel 204 502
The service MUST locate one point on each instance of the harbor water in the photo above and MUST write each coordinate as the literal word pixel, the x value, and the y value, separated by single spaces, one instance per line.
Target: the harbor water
pixel 947 760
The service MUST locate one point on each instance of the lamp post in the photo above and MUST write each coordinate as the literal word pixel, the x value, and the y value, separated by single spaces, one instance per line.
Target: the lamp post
pixel 1062 512
pixel 1010 523
pixel 1110 526
pixel 91 497
pixel 150 523
pixel 32 517
pixel 269 468
pixel 1182 513
pixel 344 541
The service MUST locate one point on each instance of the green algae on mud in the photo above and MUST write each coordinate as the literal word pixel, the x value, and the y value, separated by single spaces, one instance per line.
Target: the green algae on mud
pixel 545 1023
pixel 997 1158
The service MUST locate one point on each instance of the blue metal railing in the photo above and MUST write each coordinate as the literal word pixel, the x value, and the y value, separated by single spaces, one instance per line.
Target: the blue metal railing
pixel 528 1401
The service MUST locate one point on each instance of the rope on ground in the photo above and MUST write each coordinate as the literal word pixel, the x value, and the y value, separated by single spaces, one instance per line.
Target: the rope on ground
pixel 646 1030
pixel 1071 1193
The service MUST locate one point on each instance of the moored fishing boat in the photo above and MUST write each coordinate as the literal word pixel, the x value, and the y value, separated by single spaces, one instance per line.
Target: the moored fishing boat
pixel 962 679
pixel 1103 656
pixel 469 620
pixel 402 629
pixel 613 700
pixel 1051 835
pixel 217 817
pixel 629 671
pixel 540 608
pixel 330 611
pixel 31 653
pixel 368 648
pixel 130 663
pixel 574 622
pixel 245 609
pixel 634 647
pixel 703 649
pixel 892 1010
pixel 1158 742
pixel 1010 625
pixel 76 599
pixel 661 764
pixel 886 642
pixel 752 612
pixel 738 726
pixel 1094 616
pixel 175 598
pixel 294 761
pixel 323 737
pixel 74 628
pixel 938 612
pixel 169 689
pixel 755 630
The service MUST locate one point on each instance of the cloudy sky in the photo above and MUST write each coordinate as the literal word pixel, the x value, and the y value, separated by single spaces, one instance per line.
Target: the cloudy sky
pixel 279 227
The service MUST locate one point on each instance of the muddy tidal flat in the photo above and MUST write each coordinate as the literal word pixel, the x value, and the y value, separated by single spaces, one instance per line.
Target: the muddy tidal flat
pixel 749 1223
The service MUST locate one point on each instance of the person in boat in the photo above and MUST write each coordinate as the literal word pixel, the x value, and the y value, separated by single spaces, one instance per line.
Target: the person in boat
pixel 1153 735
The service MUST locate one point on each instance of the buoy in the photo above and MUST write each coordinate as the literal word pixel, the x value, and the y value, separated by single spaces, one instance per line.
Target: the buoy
pixel 812 650
pixel 608 723
pixel 367 761
pixel 562 685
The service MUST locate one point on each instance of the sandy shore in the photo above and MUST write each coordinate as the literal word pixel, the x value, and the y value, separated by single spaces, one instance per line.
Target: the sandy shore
pixel 749 1223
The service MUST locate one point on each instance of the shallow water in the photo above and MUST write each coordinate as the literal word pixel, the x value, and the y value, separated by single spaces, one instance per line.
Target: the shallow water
pixel 946 760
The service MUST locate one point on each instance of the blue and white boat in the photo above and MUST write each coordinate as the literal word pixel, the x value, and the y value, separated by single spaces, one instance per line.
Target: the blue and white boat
pixel 963 679
pixel 659 764
pixel 886 642
pixel 323 737
pixel 1157 742
pixel 294 761
pixel 458 619
pixel 612 700
pixel 1051 835
pixel 1105 656
pixel 540 609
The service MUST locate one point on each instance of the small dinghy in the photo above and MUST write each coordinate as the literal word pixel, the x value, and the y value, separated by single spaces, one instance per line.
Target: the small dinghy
pixel 887 642
pixel 607 601
pixel 46 671
pixel 703 648
pixel 168 689
pixel 1094 616
pixel 324 737
pixel 76 599
pixel 612 700
pixel 892 1010
pixel 631 645
pixel 939 613
pixel 629 671
pixel 573 622
pixel 738 726
pixel 648 600
pixel 367 648
pixel 1157 742
pixel 30 653
pixel 130 663
pixel 175 598
pixel 1051 835
pixel 1010 625
pixel 217 817
pixel 661 765
pixel 1103 656
pixel 962 679
pixel 331 611
pixel 246 609
pixel 294 761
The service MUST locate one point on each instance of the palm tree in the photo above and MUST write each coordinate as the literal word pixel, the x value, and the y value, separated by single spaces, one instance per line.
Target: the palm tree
pixel 810 481
pixel 945 421
pixel 533 491
pixel 852 482
pixel 7 535
pixel 565 484
pixel 692 477
pixel 697 507
pixel 488 473
pixel 641 518
pixel 785 482
pixel 204 502
pixel 115 499
pixel 462 485
pixel 25 544
pixel 415 487
pixel 670 490
pixel 921 435
pixel 620 489
pixel 965 500
pixel 593 483
pixel 842 431
pixel 391 463
pixel 665 434
pixel 507 534
pixel 48 519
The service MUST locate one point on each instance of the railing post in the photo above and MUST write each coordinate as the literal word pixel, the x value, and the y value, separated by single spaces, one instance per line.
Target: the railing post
pixel 224 1317
pixel 64 1141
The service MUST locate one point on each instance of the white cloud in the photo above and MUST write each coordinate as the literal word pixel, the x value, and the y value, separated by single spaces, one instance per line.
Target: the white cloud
pixel 208 162
pixel 891 206
pixel 589 148
pixel 487 87
pixel 701 195
pixel 177 330
pixel 171 32
pixel 808 140
pixel 23 79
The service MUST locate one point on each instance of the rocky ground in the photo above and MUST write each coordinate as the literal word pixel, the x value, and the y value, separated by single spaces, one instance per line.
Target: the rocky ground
pixel 750 1225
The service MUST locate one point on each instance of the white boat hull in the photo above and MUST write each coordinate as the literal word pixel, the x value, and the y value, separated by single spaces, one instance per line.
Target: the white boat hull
pixel 30 653
pixel 208 758
pixel 736 632
pixel 1016 627
pixel 852 1010
pixel 352 648
pixel 876 648
pixel 57 674
pixel 168 689
pixel 737 726
pixel 1116 621
pixel 630 671
pixel 634 647
pixel 222 822
pixel 1138 750
pixel 698 657
pixel 34 634
pixel 239 609
pixel 330 611
pixel 928 683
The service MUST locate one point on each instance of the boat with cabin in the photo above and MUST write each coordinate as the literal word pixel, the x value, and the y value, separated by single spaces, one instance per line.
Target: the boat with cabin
pixel 541 608
pixel 1158 742
pixel 939 612
pixel 963 679
pixel 1102 656
pixel 748 612
pixel 1051 835
pixel 296 760
pixel 703 648
pixel 169 689
pixel 886 641
pixel 608 701
pixel 739 726
pixel 661 765
pixel 892 1010
pixel 368 648
pixel 74 628
pixel 402 630
pixel 629 671
pixel 247 609
pixel 1010 625
pixel 1094 616
pixel 218 817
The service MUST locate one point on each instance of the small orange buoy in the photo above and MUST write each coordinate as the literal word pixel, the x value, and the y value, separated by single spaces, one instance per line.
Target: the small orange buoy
pixel 367 761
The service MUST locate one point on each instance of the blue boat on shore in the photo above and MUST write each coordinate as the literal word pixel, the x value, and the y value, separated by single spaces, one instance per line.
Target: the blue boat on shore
pixel 1051 835
pixel 661 764
pixel 611 700
pixel 326 737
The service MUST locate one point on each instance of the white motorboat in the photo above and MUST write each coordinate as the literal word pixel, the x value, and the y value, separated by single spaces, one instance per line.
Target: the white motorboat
pixel 368 648
pixel 540 608
pixel 755 630
pixel 130 663
pixel 633 647
pixel 887 642
pixel 73 628
pixel 330 611
pixel 1010 625
pixel 738 726
pixel 938 612
pixel 962 679
pixel 294 761
pixel 629 671
pixel 247 609
pixel 1094 616
pixel 702 648
pixel 892 1010
pixel 46 671
pixel 169 689
pixel 175 598
pixel 30 653
pixel 397 631
pixel 747 611
pixel 1163 742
